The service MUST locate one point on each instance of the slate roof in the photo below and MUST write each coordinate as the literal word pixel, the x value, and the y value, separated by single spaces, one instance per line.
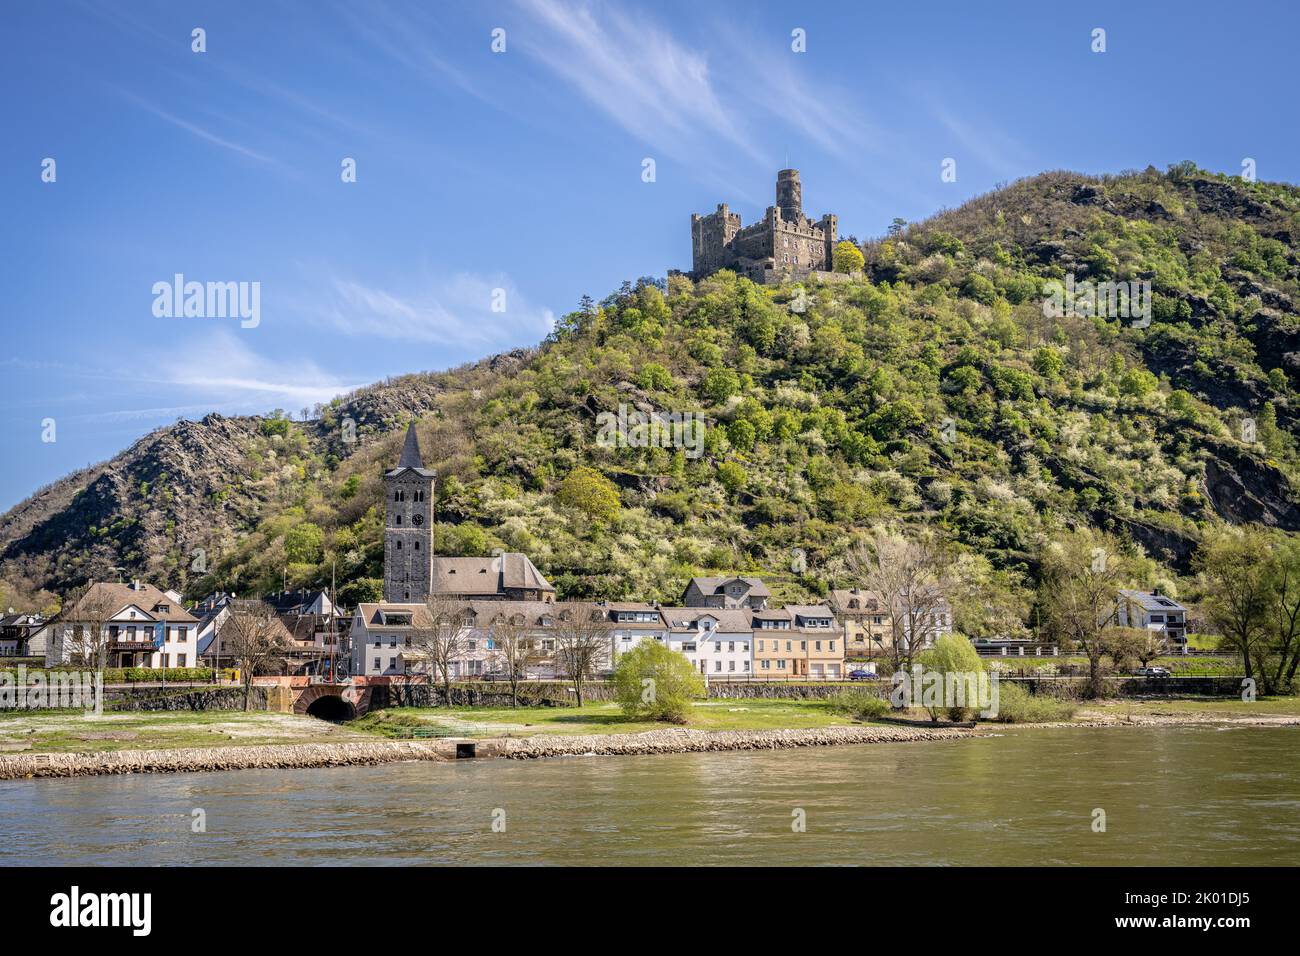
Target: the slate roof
pixel 493 575
pixel 1152 602
pixel 411 459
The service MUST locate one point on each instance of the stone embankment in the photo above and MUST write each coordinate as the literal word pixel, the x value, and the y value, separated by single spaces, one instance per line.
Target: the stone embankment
pixel 298 756
pixel 684 740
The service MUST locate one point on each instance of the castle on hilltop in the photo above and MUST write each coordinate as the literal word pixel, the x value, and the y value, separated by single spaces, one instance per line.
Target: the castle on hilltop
pixel 784 245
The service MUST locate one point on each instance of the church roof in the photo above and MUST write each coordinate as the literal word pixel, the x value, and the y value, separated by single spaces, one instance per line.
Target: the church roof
pixel 491 575
pixel 411 457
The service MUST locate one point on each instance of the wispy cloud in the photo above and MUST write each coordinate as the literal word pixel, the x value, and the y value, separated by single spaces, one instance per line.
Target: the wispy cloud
pixel 651 84
pixel 196 130
pixel 985 142
pixel 234 377
pixel 462 310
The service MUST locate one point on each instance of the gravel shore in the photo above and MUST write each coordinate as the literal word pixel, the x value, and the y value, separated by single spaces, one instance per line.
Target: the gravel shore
pixel 278 756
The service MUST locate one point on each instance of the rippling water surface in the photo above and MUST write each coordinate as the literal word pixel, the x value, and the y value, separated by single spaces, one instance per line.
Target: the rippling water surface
pixel 1171 796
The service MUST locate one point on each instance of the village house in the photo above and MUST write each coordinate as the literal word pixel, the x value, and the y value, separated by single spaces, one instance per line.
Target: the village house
pixel 798 641
pixel 390 639
pixel 1152 611
pixel 717 641
pixel 731 592
pixel 16 630
pixel 864 622
pixel 632 622
pixel 216 646
pixel 125 625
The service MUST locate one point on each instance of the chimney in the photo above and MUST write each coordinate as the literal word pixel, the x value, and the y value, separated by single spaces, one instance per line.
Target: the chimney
pixel 1155 592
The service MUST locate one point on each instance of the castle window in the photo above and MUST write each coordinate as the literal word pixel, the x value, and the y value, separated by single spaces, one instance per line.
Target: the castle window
pixel 417 545
pixel 399 544
pixel 399 519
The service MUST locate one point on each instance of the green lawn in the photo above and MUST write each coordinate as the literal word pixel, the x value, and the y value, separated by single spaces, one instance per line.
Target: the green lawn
pixel 61 731
pixel 602 718
pixel 1204 707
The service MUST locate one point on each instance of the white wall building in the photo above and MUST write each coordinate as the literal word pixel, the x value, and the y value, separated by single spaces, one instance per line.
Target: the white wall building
pixel 717 641
pixel 140 626
pixel 1164 617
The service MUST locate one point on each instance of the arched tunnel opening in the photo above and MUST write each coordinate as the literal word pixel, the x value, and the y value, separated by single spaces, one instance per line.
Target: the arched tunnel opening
pixel 332 708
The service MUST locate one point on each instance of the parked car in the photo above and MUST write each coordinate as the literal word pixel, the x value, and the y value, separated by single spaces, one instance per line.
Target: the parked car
pixel 862 675
pixel 1152 672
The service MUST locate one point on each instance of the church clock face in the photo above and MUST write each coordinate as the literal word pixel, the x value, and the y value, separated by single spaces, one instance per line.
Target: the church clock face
pixel 418 519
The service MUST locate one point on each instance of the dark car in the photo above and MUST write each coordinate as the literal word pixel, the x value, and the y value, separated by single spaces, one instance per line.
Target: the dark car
pixel 861 675
pixel 1152 672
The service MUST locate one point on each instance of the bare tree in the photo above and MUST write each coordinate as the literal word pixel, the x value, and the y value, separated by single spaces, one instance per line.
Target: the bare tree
pixel 85 625
pixel 1080 581
pixel 582 644
pixel 911 577
pixel 515 650
pixel 253 635
pixel 440 635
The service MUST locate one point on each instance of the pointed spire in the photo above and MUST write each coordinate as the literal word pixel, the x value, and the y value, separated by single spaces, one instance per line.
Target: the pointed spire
pixel 411 450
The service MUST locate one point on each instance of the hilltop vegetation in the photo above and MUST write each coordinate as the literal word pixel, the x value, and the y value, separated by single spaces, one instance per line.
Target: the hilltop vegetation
pixel 930 390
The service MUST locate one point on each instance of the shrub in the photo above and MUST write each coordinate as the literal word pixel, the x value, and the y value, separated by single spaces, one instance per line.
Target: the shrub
pixel 860 704
pixel 1016 705
pixel 655 683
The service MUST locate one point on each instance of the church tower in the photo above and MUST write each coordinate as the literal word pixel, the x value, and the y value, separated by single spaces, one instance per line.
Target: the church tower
pixel 408 526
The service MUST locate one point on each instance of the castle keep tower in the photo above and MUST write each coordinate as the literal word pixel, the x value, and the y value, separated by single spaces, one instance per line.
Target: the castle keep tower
pixel 784 245
pixel 408 526
pixel 789 195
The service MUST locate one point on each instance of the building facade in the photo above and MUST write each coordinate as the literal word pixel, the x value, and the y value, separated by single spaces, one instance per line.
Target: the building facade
pixel 717 642
pixel 1152 611
pixel 124 625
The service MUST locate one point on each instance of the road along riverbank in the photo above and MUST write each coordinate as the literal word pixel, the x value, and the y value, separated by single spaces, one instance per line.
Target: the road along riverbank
pixel 291 756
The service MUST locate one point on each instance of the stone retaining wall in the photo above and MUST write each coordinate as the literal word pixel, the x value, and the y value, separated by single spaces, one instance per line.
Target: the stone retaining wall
pixel 198 698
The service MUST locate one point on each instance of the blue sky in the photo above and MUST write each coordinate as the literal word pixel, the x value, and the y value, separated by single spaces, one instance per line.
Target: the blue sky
pixel 519 170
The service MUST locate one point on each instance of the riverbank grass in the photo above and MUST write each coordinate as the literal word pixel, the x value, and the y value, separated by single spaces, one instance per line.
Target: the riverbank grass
pixel 61 731
pixel 601 718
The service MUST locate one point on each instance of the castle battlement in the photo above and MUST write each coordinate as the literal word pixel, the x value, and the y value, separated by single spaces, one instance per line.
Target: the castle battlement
pixel 784 244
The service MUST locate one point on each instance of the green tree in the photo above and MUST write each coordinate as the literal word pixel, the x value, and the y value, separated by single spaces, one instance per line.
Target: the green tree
pixel 653 377
pixel 587 490
pixel 652 682
pixel 732 476
pixel 846 257
pixel 953 656
pixel 720 384
pixel 1237 569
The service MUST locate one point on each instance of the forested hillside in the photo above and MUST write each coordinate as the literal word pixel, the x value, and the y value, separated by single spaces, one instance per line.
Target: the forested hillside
pixel 931 391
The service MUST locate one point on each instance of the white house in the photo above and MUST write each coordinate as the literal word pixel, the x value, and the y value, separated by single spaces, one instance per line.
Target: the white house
pixel 1155 612
pixel 139 626
pixel 717 641
pixel 634 622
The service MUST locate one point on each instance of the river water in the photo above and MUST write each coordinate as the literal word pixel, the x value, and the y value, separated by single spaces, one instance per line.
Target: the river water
pixel 1171 795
